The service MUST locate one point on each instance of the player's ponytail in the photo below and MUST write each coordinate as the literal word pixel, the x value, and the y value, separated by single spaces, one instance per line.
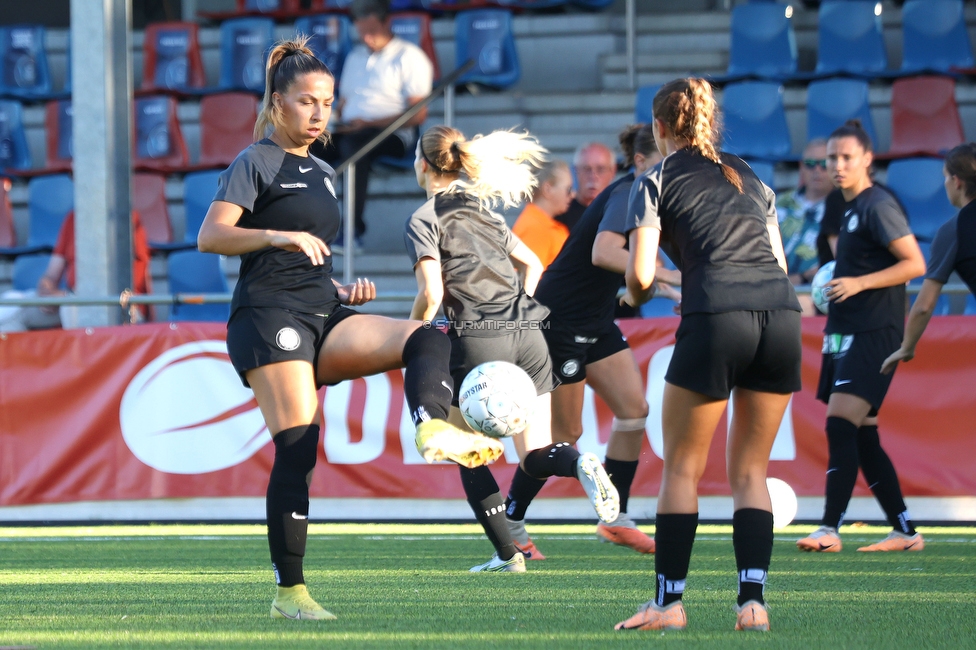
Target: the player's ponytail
pixel 499 167
pixel 687 107
pixel 961 163
pixel 287 61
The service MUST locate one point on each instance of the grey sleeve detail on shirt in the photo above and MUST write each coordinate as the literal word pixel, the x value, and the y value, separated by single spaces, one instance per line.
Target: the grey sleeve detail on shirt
pixel 324 166
pixel 511 240
pixel 251 172
pixel 615 212
pixel 422 234
pixel 889 222
pixel 645 200
pixel 942 258
pixel 772 216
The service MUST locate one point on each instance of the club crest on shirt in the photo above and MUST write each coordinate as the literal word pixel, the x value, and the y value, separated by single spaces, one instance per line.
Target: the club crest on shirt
pixel 328 185
pixel 853 223
pixel 288 339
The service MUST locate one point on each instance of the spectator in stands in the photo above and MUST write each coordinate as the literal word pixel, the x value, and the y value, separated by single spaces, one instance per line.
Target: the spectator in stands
pixel 537 226
pixel 595 167
pixel 381 78
pixel 800 214
pixel 59 280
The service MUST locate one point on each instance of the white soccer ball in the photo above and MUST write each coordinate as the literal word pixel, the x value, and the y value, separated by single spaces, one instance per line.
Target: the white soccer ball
pixel 497 398
pixel 784 502
pixel 820 280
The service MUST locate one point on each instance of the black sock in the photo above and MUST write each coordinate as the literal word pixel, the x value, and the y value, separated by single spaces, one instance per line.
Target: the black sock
pixel 674 536
pixel 558 459
pixel 752 539
pixel 427 383
pixel 622 476
pixel 882 479
pixel 489 508
pixel 841 469
pixel 524 488
pixel 287 501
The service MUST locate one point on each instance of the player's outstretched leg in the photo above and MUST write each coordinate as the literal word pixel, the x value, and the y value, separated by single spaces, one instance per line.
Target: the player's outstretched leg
pixel 440 440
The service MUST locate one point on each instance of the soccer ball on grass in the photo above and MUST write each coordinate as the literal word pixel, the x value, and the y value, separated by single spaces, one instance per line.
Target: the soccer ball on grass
pixel 497 399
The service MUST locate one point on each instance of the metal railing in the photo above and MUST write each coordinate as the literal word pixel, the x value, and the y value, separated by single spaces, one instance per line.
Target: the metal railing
pixel 348 166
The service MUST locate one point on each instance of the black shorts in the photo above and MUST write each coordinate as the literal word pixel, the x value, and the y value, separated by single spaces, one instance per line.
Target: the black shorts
pixel 851 364
pixel 755 350
pixel 525 348
pixel 572 352
pixel 258 336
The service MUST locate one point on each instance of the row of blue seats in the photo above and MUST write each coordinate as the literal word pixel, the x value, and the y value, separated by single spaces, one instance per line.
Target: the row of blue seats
pixel 292 7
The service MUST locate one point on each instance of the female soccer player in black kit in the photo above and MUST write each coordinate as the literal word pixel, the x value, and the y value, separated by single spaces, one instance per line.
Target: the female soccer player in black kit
pixel 289 331
pixel 580 289
pixel 953 249
pixel 462 255
pixel 876 255
pixel 739 334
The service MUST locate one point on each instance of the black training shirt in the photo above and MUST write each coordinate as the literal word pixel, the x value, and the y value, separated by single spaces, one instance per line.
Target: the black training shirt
pixel 576 292
pixel 572 215
pixel 715 235
pixel 954 249
pixel 482 291
pixel 282 191
pixel 871 222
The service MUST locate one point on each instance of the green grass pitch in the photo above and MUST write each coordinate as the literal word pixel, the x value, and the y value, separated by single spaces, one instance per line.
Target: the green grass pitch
pixel 407 586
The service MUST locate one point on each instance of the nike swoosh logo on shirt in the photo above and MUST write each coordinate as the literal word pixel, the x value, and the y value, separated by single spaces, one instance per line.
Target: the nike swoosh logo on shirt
pixel 841 382
pixel 303 169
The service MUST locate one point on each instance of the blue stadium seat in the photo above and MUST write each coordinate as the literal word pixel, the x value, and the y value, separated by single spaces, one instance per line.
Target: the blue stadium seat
pixel 24 59
pixel 330 38
pixel 970 309
pixel 644 106
pixel 196 272
pixel 657 308
pixel 755 120
pixel 406 5
pixel 850 39
pixel 49 200
pixel 485 36
pixel 28 269
pixel 199 189
pixel 14 154
pixel 765 171
pixel 159 143
pixel 919 185
pixel 935 36
pixel 244 47
pixel 592 4
pixel 832 102
pixel 534 4
pixel 763 43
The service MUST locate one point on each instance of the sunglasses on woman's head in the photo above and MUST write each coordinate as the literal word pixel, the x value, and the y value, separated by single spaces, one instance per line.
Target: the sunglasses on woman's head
pixel 813 163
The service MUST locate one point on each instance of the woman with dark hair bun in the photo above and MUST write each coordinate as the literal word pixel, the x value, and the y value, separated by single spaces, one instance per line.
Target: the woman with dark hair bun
pixel 876 255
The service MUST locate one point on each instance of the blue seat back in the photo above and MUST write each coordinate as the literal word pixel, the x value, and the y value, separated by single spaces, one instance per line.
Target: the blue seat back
pixel 919 185
pixel 765 171
pixel 755 121
pixel 14 153
pixel 832 102
pixel 592 4
pixel 935 36
pixel 485 36
pixel 850 38
pixel 407 5
pixel 24 59
pixel 644 106
pixel 172 58
pixel 49 200
pixel 196 272
pixel 65 118
pixel 153 139
pixel 763 43
pixel 199 189
pixel 970 309
pixel 262 5
pixel 657 308
pixel 329 38
pixel 339 4
pixel 28 269
pixel 244 47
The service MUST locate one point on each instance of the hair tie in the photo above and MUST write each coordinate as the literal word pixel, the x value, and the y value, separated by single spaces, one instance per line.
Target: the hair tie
pixel 430 162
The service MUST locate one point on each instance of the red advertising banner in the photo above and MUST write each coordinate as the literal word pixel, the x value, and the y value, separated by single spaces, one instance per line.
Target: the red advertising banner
pixel 157 411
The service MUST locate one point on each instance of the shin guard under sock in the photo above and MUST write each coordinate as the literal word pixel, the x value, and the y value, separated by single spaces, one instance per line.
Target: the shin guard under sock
pixel 882 479
pixel 622 474
pixel 287 501
pixel 674 537
pixel 427 383
pixel 841 469
pixel 489 508
pixel 752 540
pixel 558 459
pixel 523 490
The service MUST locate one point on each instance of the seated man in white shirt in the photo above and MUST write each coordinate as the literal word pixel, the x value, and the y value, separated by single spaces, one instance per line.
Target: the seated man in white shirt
pixel 382 77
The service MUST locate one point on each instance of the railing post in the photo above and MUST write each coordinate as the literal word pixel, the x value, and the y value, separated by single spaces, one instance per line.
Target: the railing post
pixel 349 223
pixel 449 105
pixel 630 22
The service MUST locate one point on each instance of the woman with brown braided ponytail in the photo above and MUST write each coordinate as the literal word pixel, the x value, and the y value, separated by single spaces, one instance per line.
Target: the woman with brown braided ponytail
pixel 739 335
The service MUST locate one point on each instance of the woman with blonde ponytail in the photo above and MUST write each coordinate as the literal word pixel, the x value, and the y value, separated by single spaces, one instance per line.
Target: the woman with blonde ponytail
pixel 463 257
pixel 739 335
pixel 291 330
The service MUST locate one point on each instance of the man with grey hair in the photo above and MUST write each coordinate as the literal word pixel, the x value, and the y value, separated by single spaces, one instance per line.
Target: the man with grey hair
pixel 536 226
pixel 595 166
